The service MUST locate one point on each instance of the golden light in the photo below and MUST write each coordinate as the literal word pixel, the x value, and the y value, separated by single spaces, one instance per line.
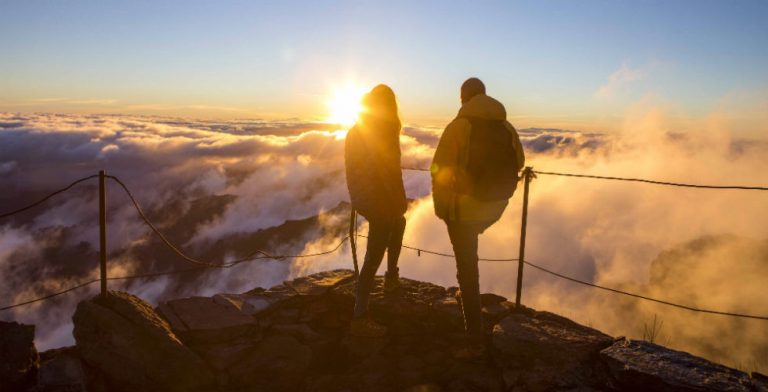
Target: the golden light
pixel 344 106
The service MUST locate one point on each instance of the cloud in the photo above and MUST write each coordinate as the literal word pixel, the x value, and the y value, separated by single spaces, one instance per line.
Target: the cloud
pixel 620 80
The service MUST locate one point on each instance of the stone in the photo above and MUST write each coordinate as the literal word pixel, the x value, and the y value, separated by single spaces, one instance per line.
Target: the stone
pixel 202 320
pixel 760 381
pixel 449 307
pixel 362 347
pixel 61 370
pixel 468 376
pixel 302 332
pixel 18 356
pixel 410 362
pixel 491 299
pixel 246 304
pixel 495 311
pixel 319 283
pixel 424 388
pixel 550 351
pixel 222 356
pixel 124 339
pixel 641 366
pixel 276 363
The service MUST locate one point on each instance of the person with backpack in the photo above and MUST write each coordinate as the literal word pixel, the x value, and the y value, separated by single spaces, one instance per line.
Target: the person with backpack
pixel 376 191
pixel 474 173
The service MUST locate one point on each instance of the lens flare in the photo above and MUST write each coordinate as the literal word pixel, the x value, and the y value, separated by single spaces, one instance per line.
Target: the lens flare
pixel 344 105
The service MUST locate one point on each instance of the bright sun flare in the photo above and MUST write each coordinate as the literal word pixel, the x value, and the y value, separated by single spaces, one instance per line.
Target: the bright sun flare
pixel 344 106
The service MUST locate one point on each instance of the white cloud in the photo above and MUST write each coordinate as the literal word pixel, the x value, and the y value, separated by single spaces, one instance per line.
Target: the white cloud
pixel 620 80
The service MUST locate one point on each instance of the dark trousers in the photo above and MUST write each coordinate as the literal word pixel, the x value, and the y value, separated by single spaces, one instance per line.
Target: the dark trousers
pixel 384 234
pixel 464 240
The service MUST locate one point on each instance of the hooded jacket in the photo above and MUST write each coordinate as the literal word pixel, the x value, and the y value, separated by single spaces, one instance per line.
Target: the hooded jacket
pixel 452 154
pixel 374 177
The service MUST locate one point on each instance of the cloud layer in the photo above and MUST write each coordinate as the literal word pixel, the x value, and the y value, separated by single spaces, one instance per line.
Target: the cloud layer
pixel 219 186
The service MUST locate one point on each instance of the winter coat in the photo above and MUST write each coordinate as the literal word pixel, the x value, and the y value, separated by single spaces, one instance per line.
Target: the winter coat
pixel 374 177
pixel 452 153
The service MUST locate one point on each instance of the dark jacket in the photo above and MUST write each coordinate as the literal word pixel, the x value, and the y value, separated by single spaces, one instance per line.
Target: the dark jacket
pixel 452 154
pixel 374 177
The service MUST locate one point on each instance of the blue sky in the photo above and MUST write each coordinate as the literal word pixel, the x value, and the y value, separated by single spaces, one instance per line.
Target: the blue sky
pixel 549 61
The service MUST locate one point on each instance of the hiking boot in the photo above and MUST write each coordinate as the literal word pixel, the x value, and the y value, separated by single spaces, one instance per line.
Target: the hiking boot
pixel 366 328
pixel 392 281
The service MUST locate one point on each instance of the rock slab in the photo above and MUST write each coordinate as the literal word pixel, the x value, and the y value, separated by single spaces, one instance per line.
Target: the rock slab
pixel 644 366
pixel 122 337
pixel 204 320
pixel 18 356
pixel 61 370
pixel 543 351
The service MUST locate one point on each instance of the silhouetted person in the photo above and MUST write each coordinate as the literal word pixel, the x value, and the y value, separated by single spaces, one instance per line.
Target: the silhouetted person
pixel 375 182
pixel 474 173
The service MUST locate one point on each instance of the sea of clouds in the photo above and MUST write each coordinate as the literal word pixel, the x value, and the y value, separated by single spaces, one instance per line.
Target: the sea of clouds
pixel 610 233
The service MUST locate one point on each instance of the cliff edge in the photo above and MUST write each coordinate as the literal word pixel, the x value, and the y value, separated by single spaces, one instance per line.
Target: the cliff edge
pixel 294 336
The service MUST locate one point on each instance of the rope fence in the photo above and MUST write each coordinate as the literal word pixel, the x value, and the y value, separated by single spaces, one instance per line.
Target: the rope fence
pixel 742 187
pixel 259 254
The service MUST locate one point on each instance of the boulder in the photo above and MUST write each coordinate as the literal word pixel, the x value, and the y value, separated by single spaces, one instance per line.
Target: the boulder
pixel 18 356
pixel 198 320
pixel 123 338
pixel 61 370
pixel 643 366
pixel 542 351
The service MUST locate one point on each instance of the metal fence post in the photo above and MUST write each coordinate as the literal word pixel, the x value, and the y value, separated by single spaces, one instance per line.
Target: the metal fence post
pixel 103 233
pixel 527 175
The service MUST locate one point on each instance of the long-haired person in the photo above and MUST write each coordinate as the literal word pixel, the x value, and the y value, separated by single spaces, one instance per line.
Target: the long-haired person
pixel 375 182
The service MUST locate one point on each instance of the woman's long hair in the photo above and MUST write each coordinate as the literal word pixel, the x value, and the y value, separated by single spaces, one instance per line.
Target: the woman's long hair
pixel 380 107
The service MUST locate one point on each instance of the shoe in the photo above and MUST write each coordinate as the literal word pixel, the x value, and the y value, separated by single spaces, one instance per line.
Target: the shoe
pixel 366 328
pixel 391 281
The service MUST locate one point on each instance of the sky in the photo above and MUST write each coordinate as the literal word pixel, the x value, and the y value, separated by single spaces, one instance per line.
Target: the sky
pixel 577 65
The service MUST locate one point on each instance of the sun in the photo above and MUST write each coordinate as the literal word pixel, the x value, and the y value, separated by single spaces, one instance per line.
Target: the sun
pixel 344 105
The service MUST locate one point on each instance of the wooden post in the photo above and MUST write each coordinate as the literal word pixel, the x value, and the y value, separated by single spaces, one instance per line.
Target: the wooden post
pixel 528 175
pixel 353 238
pixel 103 233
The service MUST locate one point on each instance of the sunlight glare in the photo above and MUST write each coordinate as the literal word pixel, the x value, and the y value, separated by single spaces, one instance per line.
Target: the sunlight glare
pixel 344 106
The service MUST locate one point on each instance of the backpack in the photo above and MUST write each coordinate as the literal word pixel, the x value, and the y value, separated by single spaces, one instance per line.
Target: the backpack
pixel 491 170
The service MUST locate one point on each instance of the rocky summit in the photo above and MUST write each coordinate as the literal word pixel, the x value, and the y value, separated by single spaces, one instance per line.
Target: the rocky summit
pixel 294 337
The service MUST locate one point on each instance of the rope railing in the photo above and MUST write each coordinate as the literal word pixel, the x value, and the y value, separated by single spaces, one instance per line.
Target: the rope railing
pixel 678 184
pixel 46 198
pixel 261 254
pixel 663 302
pixel 647 181
pixel 450 255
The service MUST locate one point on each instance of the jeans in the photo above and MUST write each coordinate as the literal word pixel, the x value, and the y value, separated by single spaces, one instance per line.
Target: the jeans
pixel 384 234
pixel 464 240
